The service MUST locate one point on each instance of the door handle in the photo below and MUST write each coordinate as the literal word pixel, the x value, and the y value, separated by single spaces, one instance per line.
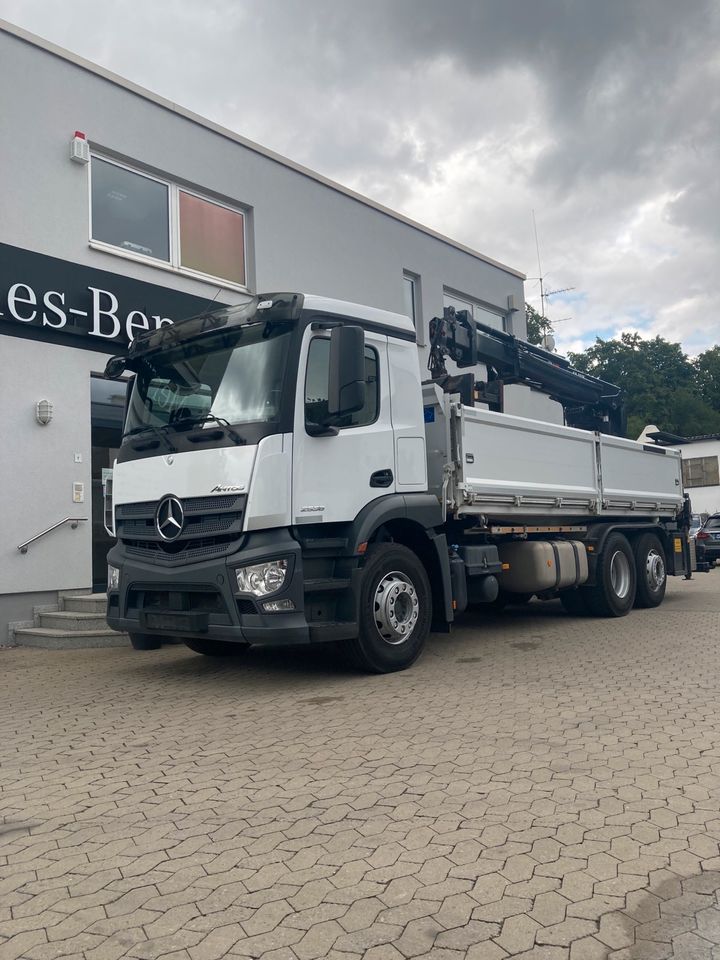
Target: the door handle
pixel 381 478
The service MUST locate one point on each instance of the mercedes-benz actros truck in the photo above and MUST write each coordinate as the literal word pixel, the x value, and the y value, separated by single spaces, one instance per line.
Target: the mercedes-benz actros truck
pixel 286 477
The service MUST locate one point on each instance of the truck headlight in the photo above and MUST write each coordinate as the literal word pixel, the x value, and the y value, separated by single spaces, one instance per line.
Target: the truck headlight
pixel 261 579
pixel 113 578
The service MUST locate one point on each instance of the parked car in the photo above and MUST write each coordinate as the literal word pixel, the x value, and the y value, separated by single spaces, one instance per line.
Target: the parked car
pixel 707 540
pixel 696 522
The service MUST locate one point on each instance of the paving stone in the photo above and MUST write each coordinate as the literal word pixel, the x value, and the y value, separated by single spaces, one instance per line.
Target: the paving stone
pixel 688 946
pixel 518 934
pixel 562 934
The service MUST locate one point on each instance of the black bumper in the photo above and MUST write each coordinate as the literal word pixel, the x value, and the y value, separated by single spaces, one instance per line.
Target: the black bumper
pixel 707 554
pixel 200 600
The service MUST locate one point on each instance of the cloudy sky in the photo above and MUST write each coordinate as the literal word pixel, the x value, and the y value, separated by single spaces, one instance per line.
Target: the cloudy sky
pixel 602 116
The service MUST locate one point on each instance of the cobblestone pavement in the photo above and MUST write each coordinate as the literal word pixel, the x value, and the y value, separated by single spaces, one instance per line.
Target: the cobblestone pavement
pixel 536 786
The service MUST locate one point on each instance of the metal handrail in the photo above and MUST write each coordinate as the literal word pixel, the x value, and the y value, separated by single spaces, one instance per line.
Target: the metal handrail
pixel 73 521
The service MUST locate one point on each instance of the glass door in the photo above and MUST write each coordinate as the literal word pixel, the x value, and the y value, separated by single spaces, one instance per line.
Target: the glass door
pixel 107 411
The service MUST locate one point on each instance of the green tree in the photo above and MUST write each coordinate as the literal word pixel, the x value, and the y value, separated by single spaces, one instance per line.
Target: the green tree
pixel 537 325
pixel 707 376
pixel 658 380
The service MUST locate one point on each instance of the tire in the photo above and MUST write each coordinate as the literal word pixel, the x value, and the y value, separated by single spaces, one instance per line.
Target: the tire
pixel 651 570
pixel 574 603
pixel 145 641
pixel 613 594
pixel 394 610
pixel 216 648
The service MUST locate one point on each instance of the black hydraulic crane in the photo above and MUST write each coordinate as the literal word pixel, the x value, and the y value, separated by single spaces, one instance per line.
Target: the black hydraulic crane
pixel 588 402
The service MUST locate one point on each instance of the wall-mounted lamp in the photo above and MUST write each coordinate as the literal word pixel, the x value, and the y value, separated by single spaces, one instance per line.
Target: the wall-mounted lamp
pixel 43 412
pixel 79 148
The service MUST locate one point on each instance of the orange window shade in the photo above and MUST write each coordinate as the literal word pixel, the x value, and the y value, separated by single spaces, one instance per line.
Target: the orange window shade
pixel 212 239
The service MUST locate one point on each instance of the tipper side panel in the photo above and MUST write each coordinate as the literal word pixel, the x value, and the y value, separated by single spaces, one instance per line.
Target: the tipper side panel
pixel 519 466
pixel 639 477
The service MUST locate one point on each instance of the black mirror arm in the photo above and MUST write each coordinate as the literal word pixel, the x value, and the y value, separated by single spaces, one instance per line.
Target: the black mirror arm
pixel 321 430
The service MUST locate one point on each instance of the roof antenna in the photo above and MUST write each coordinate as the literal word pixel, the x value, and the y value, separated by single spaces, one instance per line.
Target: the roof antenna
pixel 206 306
pixel 544 295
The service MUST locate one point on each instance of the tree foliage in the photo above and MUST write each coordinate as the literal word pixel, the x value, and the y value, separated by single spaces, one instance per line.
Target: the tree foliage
pixel 660 383
pixel 537 325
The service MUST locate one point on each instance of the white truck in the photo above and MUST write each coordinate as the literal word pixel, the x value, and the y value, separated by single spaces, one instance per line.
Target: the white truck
pixel 286 477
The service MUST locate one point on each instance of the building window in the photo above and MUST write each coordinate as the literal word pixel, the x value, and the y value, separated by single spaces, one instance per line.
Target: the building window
pixel 475 310
pixel 412 301
pixel 410 295
pixel 145 217
pixel 130 211
pixel 212 238
pixel 701 472
pixel 317 382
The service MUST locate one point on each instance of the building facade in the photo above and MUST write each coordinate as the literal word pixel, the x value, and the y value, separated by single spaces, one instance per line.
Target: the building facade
pixel 119 212
pixel 700 466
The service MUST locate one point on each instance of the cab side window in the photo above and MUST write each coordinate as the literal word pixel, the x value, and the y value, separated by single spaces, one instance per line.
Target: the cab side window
pixel 316 387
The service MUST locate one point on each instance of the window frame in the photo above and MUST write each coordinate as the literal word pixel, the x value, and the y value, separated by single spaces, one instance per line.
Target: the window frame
pixel 707 471
pixel 417 318
pixel 480 304
pixel 352 426
pixel 173 265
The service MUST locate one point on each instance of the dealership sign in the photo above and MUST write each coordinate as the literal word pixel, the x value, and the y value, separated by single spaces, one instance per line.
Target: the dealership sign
pixel 46 298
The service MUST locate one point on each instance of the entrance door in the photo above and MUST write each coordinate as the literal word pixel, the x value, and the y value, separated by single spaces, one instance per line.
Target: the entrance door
pixel 107 410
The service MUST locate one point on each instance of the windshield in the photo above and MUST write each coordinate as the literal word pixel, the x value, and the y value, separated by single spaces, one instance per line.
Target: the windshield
pixel 236 376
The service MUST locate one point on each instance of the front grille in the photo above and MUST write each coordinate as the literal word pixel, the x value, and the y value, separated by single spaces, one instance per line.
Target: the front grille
pixel 212 526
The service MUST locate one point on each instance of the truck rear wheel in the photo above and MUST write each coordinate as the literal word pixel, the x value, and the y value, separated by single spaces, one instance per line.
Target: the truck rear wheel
pixel 394 610
pixel 651 571
pixel 216 648
pixel 613 593
pixel 145 641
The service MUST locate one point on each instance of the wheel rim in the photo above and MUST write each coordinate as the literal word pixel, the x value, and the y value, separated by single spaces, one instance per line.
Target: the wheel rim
pixel 655 570
pixel 620 574
pixel 397 608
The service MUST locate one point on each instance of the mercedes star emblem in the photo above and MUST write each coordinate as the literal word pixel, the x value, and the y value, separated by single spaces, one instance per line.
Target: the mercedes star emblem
pixel 169 518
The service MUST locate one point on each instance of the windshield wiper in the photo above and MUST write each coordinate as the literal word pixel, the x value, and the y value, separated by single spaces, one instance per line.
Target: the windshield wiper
pixel 155 431
pixel 211 418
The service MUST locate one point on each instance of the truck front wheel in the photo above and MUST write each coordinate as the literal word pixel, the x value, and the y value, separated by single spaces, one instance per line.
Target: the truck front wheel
pixel 651 571
pixel 613 593
pixel 394 610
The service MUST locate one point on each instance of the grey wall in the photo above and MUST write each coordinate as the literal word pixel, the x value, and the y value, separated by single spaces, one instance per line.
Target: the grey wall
pixel 38 468
pixel 18 608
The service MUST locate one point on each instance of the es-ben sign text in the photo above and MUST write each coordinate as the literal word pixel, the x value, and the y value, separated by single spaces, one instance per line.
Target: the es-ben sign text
pixel 45 298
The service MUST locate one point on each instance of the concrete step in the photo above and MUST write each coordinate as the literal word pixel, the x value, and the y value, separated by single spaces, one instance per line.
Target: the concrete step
pixel 86 603
pixel 54 639
pixel 73 620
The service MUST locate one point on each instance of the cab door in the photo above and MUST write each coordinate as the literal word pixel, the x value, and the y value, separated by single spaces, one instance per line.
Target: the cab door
pixel 334 477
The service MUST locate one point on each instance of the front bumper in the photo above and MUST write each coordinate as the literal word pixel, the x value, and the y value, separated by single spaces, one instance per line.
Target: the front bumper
pixel 200 600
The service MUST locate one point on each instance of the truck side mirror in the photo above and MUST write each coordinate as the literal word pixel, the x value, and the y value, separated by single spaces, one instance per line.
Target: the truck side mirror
pixel 115 367
pixel 346 387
